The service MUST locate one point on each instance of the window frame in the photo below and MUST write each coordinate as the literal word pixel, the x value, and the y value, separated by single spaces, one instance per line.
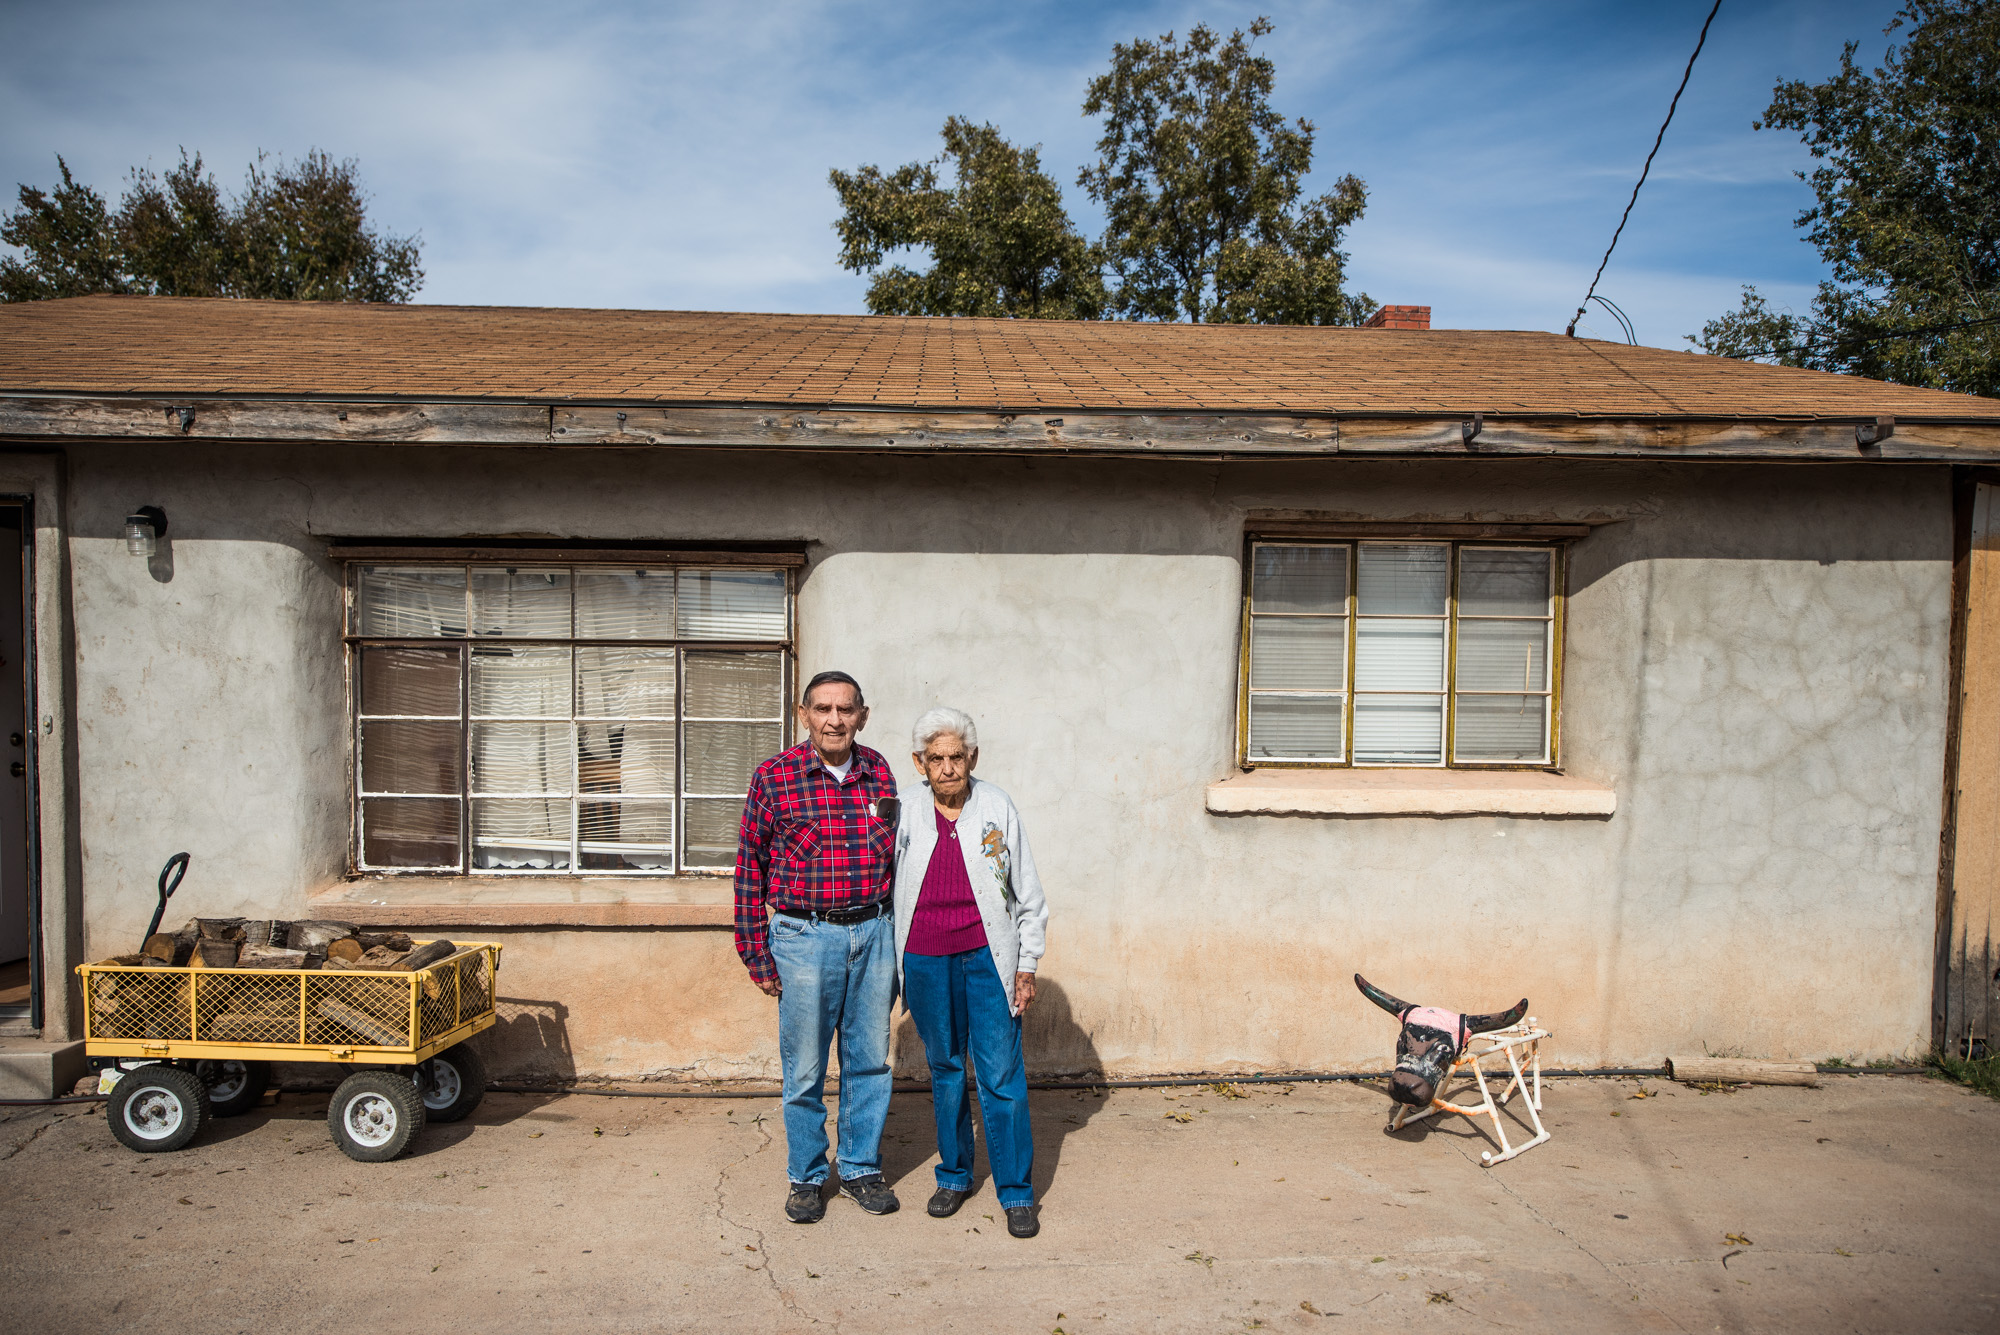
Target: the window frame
pixel 356 558
pixel 1351 616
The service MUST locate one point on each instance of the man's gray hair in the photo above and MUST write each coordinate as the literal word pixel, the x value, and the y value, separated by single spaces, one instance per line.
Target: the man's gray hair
pixel 943 719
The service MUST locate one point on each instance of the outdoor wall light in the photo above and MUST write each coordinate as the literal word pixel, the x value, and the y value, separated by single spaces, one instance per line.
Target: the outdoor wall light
pixel 143 530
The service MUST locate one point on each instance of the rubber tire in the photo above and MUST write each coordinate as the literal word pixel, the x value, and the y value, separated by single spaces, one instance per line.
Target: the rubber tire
pixel 400 1104
pixel 471 1074
pixel 256 1076
pixel 171 1085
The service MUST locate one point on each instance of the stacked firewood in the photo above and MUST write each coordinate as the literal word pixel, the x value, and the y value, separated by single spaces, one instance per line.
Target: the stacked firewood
pixel 263 943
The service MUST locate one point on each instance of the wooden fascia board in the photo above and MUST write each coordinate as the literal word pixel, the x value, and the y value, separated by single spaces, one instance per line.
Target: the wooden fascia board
pixel 52 418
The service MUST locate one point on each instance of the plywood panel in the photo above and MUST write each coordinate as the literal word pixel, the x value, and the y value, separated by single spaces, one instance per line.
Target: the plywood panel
pixel 1969 999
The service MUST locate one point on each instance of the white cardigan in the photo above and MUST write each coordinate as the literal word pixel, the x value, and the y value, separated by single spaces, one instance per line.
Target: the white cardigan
pixel 998 864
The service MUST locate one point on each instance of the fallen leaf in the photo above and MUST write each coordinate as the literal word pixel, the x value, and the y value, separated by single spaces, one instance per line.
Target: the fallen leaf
pixel 1201 1258
pixel 1379 1258
pixel 186 1201
pixel 1738 1239
pixel 1438 1296
pixel 1308 1307
pixel 1176 1117
pixel 1842 1251
pixel 534 1135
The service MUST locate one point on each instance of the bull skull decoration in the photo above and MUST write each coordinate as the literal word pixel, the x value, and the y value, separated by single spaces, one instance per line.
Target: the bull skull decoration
pixel 1434 1044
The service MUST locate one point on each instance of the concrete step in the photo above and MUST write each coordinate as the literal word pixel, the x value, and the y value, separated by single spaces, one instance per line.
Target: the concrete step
pixel 32 1068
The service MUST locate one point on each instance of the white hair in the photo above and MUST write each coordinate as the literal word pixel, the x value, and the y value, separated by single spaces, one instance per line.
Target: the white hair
pixel 941 719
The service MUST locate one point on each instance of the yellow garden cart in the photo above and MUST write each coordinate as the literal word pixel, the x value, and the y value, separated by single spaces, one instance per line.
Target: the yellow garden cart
pixel 193 1043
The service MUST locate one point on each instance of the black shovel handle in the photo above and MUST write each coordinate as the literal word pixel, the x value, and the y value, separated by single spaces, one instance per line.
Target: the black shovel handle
pixel 176 867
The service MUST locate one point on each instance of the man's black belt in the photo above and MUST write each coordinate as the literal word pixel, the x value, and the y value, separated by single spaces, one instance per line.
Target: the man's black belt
pixel 841 917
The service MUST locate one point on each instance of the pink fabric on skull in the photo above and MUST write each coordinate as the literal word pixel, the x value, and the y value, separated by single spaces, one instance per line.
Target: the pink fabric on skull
pixel 1451 1022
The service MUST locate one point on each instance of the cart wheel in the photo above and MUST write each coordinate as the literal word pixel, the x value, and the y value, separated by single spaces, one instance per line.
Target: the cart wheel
pixel 455 1083
pixel 374 1115
pixel 157 1108
pixel 233 1087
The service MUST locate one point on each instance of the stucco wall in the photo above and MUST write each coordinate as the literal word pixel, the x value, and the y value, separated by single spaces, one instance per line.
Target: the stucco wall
pixel 1755 662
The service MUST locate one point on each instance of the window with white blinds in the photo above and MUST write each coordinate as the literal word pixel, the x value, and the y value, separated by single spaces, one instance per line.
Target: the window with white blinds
pixel 593 720
pixel 1401 653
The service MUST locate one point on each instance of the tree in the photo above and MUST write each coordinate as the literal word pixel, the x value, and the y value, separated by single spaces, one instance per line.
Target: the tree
pixel 297 233
pixel 999 240
pixel 1201 181
pixel 1907 213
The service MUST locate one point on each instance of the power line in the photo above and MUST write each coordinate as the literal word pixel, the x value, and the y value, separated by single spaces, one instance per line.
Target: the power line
pixel 1657 139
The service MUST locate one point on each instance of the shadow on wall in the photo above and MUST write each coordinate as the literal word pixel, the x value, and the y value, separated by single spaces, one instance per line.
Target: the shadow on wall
pixel 529 1041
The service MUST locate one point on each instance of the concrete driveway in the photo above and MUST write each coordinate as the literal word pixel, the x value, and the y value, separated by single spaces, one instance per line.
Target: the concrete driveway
pixel 1870 1204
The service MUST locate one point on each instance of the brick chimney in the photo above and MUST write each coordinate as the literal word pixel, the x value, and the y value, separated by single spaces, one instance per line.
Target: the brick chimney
pixel 1399 317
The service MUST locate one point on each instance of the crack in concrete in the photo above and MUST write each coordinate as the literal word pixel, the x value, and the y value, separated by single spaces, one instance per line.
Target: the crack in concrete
pixel 33 1136
pixel 761 1247
pixel 1550 1224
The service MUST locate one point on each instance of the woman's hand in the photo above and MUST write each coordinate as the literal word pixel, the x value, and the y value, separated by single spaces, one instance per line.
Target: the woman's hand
pixel 1024 992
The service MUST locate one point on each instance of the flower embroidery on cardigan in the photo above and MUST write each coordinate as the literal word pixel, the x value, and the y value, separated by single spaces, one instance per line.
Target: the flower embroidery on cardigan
pixel 994 844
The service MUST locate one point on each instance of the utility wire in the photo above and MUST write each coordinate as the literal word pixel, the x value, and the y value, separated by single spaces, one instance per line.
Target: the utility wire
pixel 1657 140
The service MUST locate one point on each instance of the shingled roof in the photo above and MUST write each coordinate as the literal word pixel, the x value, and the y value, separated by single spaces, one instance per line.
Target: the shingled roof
pixel 109 346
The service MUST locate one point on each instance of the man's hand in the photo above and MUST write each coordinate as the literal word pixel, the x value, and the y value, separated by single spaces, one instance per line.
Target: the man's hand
pixel 1024 992
pixel 770 987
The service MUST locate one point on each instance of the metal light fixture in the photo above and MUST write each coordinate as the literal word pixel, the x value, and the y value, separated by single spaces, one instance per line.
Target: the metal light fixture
pixel 143 529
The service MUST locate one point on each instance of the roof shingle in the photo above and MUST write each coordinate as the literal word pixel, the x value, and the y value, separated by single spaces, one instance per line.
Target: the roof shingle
pixel 179 346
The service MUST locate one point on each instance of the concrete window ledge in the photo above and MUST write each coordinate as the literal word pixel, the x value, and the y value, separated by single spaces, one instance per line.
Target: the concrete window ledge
pixel 528 901
pixel 1408 792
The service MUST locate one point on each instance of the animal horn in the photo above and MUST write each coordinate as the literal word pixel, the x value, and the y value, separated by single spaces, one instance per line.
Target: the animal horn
pixel 1479 1024
pixel 1383 999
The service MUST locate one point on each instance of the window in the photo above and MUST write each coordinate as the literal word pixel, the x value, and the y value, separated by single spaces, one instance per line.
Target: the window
pixel 601 720
pixel 1402 653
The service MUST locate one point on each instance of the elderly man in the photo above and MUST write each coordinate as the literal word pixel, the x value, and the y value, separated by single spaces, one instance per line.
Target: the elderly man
pixel 812 897
pixel 970 920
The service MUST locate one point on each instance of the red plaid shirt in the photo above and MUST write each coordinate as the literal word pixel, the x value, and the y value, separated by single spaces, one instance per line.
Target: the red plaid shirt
pixel 809 841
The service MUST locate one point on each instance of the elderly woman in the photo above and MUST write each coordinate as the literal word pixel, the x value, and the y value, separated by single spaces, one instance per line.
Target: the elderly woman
pixel 969 929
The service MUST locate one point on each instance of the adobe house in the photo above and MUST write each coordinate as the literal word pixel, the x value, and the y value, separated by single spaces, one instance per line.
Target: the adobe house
pixel 1658 688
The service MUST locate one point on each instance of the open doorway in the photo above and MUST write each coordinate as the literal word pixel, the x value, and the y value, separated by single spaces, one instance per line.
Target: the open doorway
pixel 20 972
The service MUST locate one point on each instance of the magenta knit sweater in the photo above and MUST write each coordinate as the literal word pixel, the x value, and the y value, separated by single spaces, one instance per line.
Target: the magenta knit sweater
pixel 946 920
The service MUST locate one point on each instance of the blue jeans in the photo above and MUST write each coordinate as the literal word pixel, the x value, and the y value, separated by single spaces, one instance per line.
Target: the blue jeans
pixel 960 1006
pixel 835 978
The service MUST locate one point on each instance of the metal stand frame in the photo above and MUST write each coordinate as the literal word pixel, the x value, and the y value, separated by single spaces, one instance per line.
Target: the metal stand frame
pixel 1528 1080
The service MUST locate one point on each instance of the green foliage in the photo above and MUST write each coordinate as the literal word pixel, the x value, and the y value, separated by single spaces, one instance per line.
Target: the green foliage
pixel 298 232
pixel 1980 1073
pixel 1000 242
pixel 1907 213
pixel 1200 180
pixel 71 244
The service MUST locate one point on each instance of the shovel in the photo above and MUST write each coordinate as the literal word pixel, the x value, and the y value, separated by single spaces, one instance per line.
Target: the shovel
pixel 176 867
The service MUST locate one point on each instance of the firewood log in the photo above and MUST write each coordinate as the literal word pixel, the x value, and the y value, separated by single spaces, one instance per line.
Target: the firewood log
pixel 361 1023
pixel 314 934
pixel 393 940
pixel 221 929
pixel 424 956
pixel 213 954
pixel 346 948
pixel 125 962
pixel 1739 1071
pixel 159 946
pixel 270 957
pixel 380 958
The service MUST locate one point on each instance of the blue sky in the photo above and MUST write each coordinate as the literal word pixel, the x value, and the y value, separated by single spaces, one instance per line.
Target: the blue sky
pixel 675 155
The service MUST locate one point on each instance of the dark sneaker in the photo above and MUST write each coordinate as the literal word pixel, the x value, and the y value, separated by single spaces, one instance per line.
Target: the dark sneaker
pixel 945 1202
pixel 805 1205
pixel 871 1194
pixel 1021 1221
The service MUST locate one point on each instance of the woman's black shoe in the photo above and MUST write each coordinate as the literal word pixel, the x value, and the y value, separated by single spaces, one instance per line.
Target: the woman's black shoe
pixel 1021 1221
pixel 945 1202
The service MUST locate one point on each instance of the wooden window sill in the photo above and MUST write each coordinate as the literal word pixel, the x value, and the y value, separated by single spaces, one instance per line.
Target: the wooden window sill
pixel 1408 792
pixel 529 901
